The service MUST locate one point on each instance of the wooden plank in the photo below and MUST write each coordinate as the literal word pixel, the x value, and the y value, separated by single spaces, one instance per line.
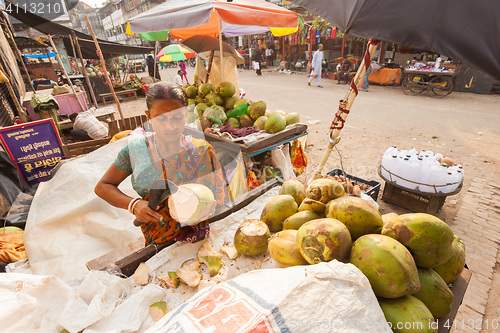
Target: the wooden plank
pixel 113 128
pixel 128 264
pixel 106 260
pixel 252 147
pixel 458 288
pixel 121 124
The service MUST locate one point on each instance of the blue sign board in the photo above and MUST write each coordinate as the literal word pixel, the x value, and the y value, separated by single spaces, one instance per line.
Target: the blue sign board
pixel 35 147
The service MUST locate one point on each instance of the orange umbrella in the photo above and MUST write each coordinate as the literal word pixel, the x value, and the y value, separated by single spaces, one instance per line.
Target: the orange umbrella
pixel 186 18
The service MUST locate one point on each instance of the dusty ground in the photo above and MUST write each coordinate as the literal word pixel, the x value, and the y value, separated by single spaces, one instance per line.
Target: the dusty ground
pixel 463 126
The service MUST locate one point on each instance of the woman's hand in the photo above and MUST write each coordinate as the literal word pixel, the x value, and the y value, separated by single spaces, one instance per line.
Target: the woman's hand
pixel 145 214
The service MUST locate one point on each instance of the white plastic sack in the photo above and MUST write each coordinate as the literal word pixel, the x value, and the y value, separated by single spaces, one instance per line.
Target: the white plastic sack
pixel 330 297
pixel 102 303
pixel 68 225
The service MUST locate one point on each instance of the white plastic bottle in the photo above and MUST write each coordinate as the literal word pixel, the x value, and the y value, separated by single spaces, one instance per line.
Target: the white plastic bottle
pixel 413 152
pixel 449 180
pixel 410 172
pixel 402 154
pixel 438 156
pixel 392 167
pixel 435 174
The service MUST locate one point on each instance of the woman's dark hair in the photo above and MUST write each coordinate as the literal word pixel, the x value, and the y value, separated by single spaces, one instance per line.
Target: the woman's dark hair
pixel 165 91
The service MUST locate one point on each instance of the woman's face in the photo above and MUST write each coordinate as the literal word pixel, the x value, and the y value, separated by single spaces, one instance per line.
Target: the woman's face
pixel 168 118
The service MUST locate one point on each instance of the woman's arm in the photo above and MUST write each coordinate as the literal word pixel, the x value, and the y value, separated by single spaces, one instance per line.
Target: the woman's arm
pixel 107 189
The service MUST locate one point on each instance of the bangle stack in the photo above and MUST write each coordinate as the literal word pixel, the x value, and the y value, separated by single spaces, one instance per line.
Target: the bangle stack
pixel 132 204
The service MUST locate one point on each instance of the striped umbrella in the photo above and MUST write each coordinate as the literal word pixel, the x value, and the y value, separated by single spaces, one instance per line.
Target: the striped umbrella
pixel 174 52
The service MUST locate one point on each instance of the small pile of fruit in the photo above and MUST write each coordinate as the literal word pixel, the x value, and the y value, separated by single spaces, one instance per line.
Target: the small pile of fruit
pixel 215 106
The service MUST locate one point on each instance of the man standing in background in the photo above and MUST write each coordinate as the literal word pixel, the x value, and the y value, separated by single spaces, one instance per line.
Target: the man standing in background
pixel 316 66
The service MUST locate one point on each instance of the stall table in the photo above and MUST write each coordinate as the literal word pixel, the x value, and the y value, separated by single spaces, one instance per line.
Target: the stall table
pixel 67 103
pixel 385 76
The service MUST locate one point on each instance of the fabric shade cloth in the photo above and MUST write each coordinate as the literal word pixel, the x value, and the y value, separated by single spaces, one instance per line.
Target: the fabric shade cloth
pixel 187 18
pixel 203 43
pixel 468 31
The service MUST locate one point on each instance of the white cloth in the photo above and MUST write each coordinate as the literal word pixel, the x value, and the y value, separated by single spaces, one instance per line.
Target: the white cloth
pixel 87 122
pixel 269 52
pixel 178 80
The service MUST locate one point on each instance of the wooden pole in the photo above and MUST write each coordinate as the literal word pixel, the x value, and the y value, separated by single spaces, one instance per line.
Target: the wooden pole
pixel 20 57
pixel 210 64
pixel 346 103
pixel 85 74
pixel 126 70
pixel 74 54
pixel 221 49
pixel 65 72
pixel 343 45
pixel 103 65
pixel 154 56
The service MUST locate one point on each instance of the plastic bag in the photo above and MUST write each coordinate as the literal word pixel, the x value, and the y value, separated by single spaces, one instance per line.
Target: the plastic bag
pixel 312 74
pixel 281 159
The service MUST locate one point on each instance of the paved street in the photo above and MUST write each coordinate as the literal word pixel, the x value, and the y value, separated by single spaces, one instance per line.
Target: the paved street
pixel 462 126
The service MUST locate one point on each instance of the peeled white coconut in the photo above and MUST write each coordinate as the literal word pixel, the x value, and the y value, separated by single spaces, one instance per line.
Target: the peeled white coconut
pixel 191 204
pixel 210 258
pixel 158 310
pixel 189 273
pixel 230 251
pixel 142 275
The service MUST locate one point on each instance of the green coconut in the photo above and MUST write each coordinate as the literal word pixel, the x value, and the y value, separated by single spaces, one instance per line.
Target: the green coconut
pixel 387 264
pixel 427 237
pixel 251 237
pixel 359 215
pixel 277 210
pixel 323 240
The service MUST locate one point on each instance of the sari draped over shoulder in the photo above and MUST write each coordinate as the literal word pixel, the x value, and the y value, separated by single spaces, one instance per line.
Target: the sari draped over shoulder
pixel 196 162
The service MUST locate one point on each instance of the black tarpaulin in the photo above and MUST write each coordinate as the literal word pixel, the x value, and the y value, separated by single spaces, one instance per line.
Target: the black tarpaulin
pixel 109 49
pixel 465 30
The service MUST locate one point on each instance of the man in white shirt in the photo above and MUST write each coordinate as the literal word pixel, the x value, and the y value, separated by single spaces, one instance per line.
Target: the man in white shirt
pixel 316 65
pixel 86 126
pixel 178 78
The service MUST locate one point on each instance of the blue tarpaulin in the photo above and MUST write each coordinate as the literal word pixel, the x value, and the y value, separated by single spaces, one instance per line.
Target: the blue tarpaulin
pixel 38 56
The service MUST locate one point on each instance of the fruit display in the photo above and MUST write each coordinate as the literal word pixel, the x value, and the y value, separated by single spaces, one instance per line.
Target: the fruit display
pixel 216 106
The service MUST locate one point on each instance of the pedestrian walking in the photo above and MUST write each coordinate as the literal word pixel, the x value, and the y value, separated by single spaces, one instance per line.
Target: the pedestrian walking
pixel 182 65
pixel 316 65
pixel 257 59
pixel 269 56
pixel 153 69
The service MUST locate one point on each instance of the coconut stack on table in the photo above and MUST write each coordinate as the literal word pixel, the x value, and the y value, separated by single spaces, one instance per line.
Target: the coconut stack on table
pixel 218 107
pixel 409 260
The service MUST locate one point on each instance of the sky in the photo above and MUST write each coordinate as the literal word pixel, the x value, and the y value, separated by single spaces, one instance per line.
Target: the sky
pixel 94 3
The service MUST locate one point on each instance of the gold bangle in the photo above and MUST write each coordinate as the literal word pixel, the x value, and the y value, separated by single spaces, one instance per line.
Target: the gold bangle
pixel 133 206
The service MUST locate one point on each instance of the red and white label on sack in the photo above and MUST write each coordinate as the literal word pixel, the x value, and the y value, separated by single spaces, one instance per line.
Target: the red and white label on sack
pixel 220 311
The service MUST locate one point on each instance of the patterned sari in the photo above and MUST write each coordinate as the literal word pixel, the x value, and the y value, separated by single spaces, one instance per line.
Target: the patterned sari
pixel 196 162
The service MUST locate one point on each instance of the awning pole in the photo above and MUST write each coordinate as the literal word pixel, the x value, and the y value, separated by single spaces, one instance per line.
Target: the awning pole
pixel 65 72
pixel 103 65
pixel 85 74
pixel 221 50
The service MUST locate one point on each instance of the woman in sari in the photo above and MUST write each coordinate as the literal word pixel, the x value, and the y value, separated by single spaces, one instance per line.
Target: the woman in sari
pixel 169 154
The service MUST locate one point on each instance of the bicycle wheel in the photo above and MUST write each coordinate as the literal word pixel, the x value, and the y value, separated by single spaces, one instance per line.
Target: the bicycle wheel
pixel 414 84
pixel 440 86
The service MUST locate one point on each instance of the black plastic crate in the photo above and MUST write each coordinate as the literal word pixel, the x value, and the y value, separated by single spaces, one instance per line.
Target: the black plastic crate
pixel 372 192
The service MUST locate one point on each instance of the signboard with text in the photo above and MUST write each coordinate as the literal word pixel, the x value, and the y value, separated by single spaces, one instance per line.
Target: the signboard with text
pixel 34 147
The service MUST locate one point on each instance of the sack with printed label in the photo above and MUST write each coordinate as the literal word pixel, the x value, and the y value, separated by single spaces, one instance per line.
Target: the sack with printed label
pixel 329 297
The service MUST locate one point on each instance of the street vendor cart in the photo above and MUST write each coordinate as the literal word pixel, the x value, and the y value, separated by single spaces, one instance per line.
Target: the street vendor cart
pixel 437 84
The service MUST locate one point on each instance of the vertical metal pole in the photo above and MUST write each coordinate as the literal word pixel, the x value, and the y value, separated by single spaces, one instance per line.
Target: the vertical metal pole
pixel 221 50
